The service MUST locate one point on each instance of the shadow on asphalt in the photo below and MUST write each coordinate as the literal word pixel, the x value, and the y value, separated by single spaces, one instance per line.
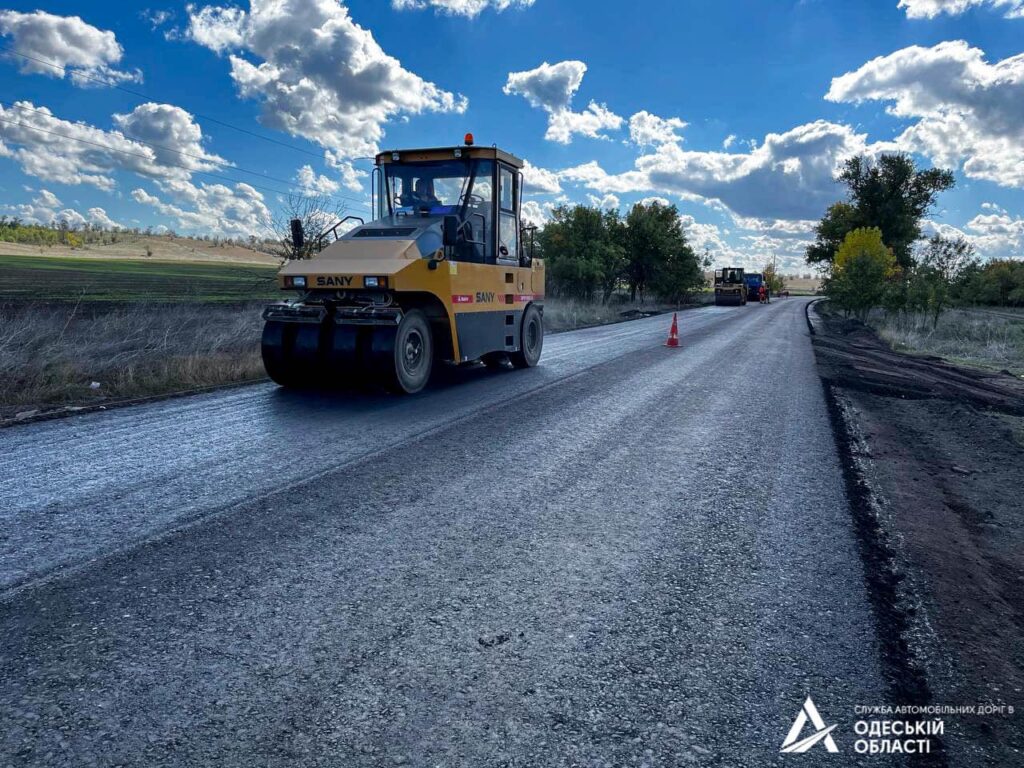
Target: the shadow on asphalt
pixel 359 398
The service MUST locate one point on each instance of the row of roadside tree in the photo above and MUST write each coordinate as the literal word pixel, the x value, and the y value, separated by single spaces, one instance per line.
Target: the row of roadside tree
pixel 592 254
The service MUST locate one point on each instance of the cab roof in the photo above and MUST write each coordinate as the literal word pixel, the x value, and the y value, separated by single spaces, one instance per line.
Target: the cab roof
pixel 447 153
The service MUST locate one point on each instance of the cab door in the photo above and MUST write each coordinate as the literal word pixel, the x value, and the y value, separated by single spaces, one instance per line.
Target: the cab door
pixel 508 216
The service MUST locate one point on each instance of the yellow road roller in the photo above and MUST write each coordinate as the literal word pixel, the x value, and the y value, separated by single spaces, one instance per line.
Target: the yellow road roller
pixel 730 287
pixel 440 274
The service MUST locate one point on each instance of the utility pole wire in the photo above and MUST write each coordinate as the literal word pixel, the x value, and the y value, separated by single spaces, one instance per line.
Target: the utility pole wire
pixel 142 96
pixel 201 158
pixel 147 157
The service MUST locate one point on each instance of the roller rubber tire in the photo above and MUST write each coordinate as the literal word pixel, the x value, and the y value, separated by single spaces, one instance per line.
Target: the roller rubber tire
pixel 412 354
pixel 275 344
pixel 342 355
pixel 531 339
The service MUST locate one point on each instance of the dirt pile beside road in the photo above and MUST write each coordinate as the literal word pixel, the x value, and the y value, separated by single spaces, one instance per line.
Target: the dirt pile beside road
pixel 853 357
pixel 937 452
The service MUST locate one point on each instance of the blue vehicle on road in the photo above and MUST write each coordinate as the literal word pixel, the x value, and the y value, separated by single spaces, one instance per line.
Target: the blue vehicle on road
pixel 754 281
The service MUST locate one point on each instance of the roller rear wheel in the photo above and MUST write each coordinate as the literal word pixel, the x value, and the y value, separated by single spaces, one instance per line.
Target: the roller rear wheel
pixel 406 362
pixel 531 339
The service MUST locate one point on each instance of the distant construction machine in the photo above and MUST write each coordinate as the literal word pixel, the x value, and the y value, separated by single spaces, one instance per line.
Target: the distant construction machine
pixel 754 281
pixel 440 274
pixel 730 287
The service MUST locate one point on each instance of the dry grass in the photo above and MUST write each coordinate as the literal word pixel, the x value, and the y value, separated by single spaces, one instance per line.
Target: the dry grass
pixel 50 355
pixel 979 339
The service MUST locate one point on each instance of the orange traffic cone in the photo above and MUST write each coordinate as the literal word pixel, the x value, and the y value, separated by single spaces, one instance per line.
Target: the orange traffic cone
pixel 673 334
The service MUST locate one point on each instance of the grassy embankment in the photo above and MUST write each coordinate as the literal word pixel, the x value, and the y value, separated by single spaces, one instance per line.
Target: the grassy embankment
pixel 80 331
pixel 986 338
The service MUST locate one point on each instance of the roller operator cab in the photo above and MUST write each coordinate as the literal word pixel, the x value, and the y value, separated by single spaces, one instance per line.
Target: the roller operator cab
pixel 441 274
pixel 730 287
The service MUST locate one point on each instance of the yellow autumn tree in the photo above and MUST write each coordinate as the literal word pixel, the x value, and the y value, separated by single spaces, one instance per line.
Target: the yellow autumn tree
pixel 860 270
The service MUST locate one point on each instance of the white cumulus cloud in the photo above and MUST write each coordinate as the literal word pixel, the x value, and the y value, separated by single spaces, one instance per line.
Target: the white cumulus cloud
pixel 591 122
pixel 998 235
pixel 608 202
pixel 663 201
pixel 216 28
pixel 969 113
pixel 929 9
pixel 995 234
pixel 647 130
pixel 77 49
pixel 217 209
pixel 790 176
pixel 98 218
pixel 536 213
pixel 539 181
pixel 53 149
pixel 46 209
pixel 551 87
pixel 316 72
pixel 469 8
pixel 311 184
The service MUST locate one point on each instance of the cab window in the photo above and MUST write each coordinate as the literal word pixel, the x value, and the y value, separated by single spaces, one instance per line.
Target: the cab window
pixel 507 186
pixel 479 213
pixel 508 235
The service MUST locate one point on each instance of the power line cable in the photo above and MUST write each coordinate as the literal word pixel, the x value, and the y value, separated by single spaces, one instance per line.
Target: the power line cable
pixel 140 95
pixel 364 206
pixel 201 158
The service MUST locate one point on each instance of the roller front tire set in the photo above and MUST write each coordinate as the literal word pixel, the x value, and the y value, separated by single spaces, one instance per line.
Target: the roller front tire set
pixel 399 359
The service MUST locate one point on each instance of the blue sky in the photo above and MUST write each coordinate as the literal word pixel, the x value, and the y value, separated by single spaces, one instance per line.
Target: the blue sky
pixel 737 112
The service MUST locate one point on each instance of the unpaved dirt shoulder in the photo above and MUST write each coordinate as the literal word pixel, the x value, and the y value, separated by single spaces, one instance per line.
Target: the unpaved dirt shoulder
pixel 937 452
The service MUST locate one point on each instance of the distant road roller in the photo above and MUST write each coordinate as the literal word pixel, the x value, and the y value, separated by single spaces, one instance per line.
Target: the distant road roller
pixel 730 287
pixel 440 275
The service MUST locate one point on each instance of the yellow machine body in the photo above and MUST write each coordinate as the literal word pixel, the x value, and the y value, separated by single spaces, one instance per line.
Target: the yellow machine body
pixel 482 302
pixel 440 274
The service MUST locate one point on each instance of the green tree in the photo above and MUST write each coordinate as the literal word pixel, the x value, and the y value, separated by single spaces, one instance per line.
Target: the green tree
pixel 658 255
pixel 612 254
pixel 862 267
pixel 999 282
pixel 952 257
pixel 840 219
pixel 582 252
pixel 889 194
pixel 941 265
pixel 679 275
